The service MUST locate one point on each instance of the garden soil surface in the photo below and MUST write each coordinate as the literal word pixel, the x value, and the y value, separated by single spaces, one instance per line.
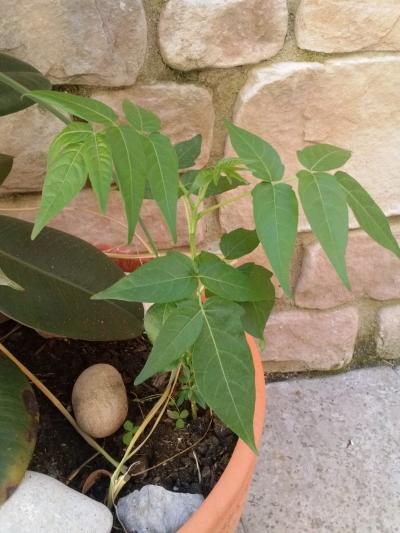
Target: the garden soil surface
pixel 60 451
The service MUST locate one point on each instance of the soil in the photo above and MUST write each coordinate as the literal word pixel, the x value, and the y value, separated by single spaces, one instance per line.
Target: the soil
pixel 60 451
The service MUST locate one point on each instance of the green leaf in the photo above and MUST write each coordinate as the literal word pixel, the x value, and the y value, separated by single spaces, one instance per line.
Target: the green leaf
pixel 65 178
pixel 141 119
pixel 226 281
pixel 256 313
pixel 322 157
pixel 99 164
pixel 180 423
pixel 10 100
pixel 6 163
pixel 239 242
pixel 173 415
pixel 155 318
pixel 74 133
pixel 188 151
pixel 86 108
pixel 130 164
pixel 368 214
pixel 223 367
pixel 60 273
pixel 165 279
pixel 5 281
pixel 162 174
pixel 178 334
pixel 184 413
pixel 259 156
pixel 19 420
pixel 324 204
pixel 126 438
pixel 128 425
pixel 276 217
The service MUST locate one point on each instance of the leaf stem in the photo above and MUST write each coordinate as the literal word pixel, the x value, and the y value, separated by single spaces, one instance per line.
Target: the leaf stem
pixel 21 89
pixel 50 396
pixel 223 204
pixel 149 238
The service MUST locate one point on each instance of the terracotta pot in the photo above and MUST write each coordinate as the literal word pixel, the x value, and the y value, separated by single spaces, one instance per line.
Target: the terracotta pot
pixel 221 510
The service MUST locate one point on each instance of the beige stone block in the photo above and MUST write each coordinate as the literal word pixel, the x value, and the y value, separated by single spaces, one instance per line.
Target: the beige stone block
pixel 83 220
pixel 298 340
pixel 348 25
pixel 374 272
pixel 184 109
pixel 93 42
pixel 196 34
pixel 388 339
pixel 26 136
pixel 349 102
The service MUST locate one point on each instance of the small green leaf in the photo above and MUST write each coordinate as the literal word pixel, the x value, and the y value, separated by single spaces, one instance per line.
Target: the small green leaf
pixel 173 415
pixel 74 133
pixel 276 217
pixel 10 100
pixel 256 313
pixel 184 413
pixel 126 438
pixel 178 334
pixel 141 119
pixel 259 156
pixel 155 318
pixel 130 164
pixel 128 425
pixel 165 279
pixel 99 164
pixel 322 157
pixel 223 367
pixel 239 242
pixel 226 281
pixel 162 174
pixel 368 214
pixel 6 163
pixel 19 420
pixel 188 151
pixel 65 178
pixel 5 281
pixel 180 423
pixel 324 204
pixel 86 108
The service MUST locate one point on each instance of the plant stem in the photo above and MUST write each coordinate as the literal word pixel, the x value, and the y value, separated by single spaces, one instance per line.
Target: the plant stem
pixel 23 90
pixel 117 481
pixel 58 405
pixel 223 204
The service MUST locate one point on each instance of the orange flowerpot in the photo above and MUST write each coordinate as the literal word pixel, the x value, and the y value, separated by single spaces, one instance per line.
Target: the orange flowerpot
pixel 221 510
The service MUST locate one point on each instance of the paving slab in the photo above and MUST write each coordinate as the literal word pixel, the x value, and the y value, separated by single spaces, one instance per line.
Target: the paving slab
pixel 330 459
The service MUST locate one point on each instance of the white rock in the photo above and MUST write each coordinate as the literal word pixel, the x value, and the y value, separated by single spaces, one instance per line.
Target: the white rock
pixel 338 102
pixel 221 33
pixel 99 400
pixel 348 25
pixel 95 42
pixel 153 509
pixel 42 504
pixel 388 339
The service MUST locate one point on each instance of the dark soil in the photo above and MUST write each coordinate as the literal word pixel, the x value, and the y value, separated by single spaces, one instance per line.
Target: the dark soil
pixel 60 450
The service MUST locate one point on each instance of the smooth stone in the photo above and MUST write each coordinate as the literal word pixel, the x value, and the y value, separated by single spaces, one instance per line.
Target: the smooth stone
pixel 41 504
pixel 100 401
pixel 153 509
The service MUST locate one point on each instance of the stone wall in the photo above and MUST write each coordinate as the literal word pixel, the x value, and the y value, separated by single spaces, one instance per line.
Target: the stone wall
pixel 310 71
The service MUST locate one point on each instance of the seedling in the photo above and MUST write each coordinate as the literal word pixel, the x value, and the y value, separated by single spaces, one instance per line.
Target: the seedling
pixel 130 430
